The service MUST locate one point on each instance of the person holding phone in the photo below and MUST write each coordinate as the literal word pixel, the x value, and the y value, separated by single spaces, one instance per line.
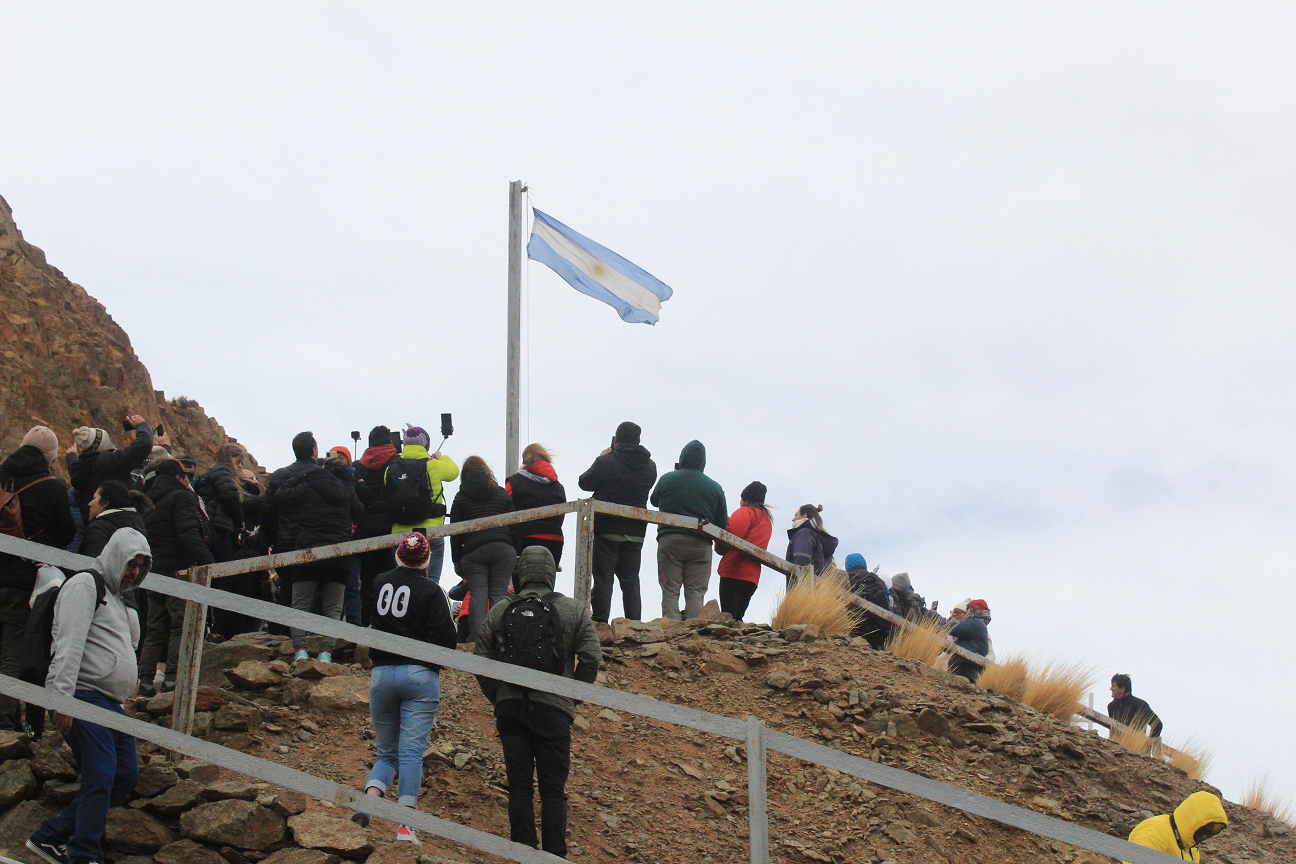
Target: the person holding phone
pixel 417 505
pixel 93 459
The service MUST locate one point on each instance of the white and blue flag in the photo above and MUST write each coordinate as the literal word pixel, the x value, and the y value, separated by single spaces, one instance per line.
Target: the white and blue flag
pixel 596 270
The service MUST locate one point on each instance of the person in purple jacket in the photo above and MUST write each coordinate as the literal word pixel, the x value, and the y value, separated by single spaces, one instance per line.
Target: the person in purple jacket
pixel 808 542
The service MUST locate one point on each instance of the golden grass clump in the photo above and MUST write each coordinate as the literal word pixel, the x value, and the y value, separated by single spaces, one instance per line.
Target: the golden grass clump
pixel 1007 677
pixel 923 641
pixel 823 600
pixel 1056 686
pixel 1193 757
pixel 1133 738
pixel 1257 796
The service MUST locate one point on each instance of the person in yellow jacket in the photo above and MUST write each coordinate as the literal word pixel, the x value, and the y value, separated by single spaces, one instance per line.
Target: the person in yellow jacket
pixel 440 469
pixel 1199 817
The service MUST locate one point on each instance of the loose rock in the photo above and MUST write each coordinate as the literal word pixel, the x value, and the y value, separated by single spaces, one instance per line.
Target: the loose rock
pixel 330 834
pixel 241 824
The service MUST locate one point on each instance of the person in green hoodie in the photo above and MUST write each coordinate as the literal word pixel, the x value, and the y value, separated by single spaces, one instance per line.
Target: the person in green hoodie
pixel 684 556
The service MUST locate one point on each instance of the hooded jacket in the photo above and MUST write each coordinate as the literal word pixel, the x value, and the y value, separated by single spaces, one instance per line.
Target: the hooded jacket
pixel 92 644
pixel 970 634
pixel 89 471
pixel 223 496
pixel 579 647
pixel 47 517
pixel 536 485
pixel 305 506
pixel 624 476
pixel 108 522
pixel 440 471
pixel 754 525
pixel 478 497
pixel 1197 810
pixel 370 469
pixel 810 545
pixel 174 527
pixel 686 491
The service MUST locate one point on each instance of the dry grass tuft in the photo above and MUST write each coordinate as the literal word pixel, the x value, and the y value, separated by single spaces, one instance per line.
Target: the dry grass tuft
pixel 1257 796
pixel 1007 677
pixel 822 600
pixel 1132 738
pixel 923 641
pixel 1056 686
pixel 1193 757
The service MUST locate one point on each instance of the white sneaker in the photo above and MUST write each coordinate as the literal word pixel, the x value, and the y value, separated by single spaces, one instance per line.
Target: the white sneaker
pixel 405 835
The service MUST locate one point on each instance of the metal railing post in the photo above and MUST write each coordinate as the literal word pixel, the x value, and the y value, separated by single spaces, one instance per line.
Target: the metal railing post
pixel 191 643
pixel 584 575
pixel 757 814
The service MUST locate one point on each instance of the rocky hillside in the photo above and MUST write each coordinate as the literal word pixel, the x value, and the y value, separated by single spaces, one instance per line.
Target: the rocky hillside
pixel 640 791
pixel 66 363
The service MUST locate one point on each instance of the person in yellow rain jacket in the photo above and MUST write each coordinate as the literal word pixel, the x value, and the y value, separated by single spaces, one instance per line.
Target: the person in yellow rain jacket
pixel 1199 817
pixel 439 469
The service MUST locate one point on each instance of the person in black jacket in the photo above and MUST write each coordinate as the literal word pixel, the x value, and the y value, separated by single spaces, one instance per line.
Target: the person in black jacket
pixel 483 558
pixel 370 469
pixel 174 530
pixel 309 507
pixel 624 473
pixel 94 459
pixel 219 488
pixel 536 485
pixel 113 507
pixel 46 519
pixel 404 693
pixel 1130 710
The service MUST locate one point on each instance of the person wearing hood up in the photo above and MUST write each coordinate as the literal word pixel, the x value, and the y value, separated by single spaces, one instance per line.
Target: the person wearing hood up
pixel 440 469
pixel 808 542
pixel 94 459
pixel 906 602
pixel 536 485
pixel 971 634
pixel 46 519
pixel 1200 817
pixel 739 572
pixel 93 662
pixel 535 726
pixel 622 474
pixel 370 469
pixel 684 556
pixel 483 558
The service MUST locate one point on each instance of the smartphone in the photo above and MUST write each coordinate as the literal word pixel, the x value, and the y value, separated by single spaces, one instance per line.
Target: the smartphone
pixel 126 425
pixel 396 440
pixel 447 427
pixel 159 430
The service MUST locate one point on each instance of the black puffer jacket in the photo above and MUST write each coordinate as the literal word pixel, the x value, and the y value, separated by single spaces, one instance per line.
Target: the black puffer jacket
pixel 532 487
pixel 624 476
pixel 312 508
pixel 223 497
pixel 92 470
pixel 103 526
pixel 369 472
pixel 478 497
pixel 174 527
pixel 46 515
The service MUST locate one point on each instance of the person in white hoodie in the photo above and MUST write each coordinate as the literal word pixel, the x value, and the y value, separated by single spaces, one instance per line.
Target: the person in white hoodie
pixel 93 661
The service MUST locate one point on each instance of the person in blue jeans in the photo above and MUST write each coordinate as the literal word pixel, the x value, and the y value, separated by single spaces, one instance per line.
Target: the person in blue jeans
pixel 93 661
pixel 404 694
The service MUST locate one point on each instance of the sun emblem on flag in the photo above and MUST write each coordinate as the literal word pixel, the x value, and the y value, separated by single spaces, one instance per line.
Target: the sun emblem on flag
pixel 598 270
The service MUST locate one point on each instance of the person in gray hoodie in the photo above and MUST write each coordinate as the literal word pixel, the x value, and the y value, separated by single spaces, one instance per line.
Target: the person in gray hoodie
pixel 94 662
pixel 535 726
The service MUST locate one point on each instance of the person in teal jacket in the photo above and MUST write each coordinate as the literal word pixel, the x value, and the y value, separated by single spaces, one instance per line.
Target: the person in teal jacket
pixel 683 556
pixel 441 469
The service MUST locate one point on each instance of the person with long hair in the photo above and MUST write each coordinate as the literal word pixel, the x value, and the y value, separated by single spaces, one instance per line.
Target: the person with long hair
pixel 485 558
pixel 536 485
pixel 739 572
pixel 113 507
pixel 808 542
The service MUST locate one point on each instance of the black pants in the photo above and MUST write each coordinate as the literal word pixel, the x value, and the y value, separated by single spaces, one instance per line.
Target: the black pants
pixel 735 594
pixel 372 565
pixel 620 559
pixel 537 742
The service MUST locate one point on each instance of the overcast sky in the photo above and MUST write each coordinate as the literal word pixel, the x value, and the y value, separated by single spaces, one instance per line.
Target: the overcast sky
pixel 1007 288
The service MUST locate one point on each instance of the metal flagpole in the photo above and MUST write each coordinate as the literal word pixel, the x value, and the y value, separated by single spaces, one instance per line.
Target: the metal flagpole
pixel 513 411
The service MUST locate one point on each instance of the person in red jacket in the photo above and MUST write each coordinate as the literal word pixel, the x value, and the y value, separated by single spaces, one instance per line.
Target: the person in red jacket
pixel 740 573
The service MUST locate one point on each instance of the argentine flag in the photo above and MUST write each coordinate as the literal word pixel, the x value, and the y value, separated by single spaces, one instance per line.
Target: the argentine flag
pixel 596 270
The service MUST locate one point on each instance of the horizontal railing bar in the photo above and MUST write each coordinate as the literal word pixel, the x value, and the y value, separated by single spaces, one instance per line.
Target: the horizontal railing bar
pixel 273 772
pixel 710 529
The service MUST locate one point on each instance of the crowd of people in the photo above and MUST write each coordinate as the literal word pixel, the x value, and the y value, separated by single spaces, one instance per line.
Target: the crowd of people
pixel 142 508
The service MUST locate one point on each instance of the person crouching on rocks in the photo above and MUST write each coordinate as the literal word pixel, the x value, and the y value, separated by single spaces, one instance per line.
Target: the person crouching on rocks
pixel 404 694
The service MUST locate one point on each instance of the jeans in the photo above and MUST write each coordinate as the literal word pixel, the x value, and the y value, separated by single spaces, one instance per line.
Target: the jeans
pixel 351 605
pixel 403 703
pixel 437 547
pixel 683 560
pixel 619 558
pixel 487 570
pixel 735 594
pixel 303 595
pixel 165 624
pixel 109 767
pixel 537 742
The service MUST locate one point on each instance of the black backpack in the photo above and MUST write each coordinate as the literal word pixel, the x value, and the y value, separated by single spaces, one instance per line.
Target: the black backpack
pixel 38 640
pixel 408 490
pixel 530 633
pixel 869 585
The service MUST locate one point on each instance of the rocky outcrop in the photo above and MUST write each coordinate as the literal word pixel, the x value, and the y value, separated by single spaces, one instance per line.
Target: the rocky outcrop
pixel 64 362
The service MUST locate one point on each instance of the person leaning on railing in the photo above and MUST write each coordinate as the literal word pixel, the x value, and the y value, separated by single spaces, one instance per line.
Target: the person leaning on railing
pixel 739 572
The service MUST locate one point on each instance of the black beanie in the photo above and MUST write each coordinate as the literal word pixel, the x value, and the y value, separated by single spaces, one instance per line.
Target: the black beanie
pixel 628 433
pixel 754 493
pixel 304 445
pixel 379 435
